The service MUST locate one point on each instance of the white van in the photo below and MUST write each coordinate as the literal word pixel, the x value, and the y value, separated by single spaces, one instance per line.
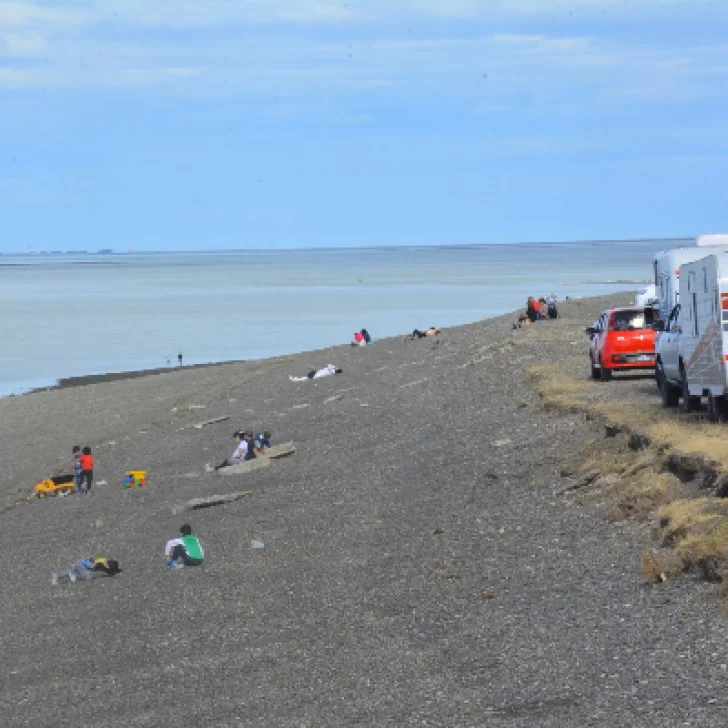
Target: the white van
pixel 691 351
pixel 667 265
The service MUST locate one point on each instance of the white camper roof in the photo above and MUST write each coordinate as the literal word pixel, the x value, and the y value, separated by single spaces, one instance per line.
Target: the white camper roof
pixel 706 241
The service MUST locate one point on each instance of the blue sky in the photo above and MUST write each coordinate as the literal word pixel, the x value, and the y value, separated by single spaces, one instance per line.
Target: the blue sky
pixel 204 124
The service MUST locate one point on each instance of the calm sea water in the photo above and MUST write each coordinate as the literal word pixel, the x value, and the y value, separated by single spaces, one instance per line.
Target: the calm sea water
pixel 66 316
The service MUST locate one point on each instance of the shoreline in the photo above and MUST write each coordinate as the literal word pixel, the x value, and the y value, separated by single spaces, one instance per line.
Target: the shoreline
pixel 86 379
pixel 82 380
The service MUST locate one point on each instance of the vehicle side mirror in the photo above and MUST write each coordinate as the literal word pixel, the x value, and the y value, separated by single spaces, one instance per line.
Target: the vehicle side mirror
pixel 591 330
pixel 658 325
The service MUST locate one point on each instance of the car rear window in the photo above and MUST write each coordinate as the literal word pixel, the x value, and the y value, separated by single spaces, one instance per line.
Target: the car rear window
pixel 631 320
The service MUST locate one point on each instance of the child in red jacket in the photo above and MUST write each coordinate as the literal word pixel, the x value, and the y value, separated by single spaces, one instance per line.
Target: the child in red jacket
pixel 87 469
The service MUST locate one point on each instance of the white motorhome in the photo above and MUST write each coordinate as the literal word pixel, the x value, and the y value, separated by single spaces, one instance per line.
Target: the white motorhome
pixel 691 352
pixel 667 268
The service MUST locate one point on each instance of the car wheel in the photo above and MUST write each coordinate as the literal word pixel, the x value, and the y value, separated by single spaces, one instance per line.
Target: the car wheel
pixel 604 374
pixel 670 395
pixel 688 404
pixel 594 370
pixel 716 408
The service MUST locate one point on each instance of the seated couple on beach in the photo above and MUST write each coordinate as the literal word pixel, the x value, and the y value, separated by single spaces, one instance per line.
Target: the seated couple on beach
pixel 417 334
pixel 362 338
pixel 327 371
pixel 248 448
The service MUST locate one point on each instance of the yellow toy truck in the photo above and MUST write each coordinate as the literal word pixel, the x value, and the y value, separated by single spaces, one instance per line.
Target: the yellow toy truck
pixel 57 485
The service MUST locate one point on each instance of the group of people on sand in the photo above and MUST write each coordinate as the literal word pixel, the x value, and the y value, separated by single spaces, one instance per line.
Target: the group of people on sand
pixel 248 448
pixel 362 338
pixel 537 310
pixel 180 551
pixel 83 469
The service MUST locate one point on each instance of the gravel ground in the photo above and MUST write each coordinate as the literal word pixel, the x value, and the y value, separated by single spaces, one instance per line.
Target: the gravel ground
pixel 420 566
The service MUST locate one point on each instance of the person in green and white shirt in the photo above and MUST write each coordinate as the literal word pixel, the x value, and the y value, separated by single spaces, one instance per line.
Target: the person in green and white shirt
pixel 186 550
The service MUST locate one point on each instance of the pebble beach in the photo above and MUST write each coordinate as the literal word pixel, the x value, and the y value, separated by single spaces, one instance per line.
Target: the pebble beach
pixel 419 567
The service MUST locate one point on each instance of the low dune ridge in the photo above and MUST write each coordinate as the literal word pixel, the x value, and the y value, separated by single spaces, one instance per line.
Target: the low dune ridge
pixel 418 564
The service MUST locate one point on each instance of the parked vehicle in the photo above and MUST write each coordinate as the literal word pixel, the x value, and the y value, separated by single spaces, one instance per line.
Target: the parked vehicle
pixel 646 296
pixel 667 264
pixel 691 351
pixel 623 339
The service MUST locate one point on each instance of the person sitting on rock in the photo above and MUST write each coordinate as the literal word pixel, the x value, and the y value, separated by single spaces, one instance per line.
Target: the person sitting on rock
pixel 238 456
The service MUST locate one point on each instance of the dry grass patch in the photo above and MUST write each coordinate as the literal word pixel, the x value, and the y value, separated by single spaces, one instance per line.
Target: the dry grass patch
pixel 694 437
pixel 661 565
pixel 639 496
pixel 555 389
pixel 696 534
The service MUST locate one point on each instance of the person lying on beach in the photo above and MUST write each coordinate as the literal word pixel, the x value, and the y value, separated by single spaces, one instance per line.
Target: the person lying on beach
pixel 244 451
pixel 417 334
pixel 185 550
pixel 85 569
pixel 327 371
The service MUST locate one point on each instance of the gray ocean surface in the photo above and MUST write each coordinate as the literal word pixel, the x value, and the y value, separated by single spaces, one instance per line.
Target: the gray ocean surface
pixel 63 316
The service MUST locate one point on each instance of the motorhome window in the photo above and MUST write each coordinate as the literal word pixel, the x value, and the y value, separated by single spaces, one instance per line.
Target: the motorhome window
pixel 691 281
pixel 694 314
pixel 628 321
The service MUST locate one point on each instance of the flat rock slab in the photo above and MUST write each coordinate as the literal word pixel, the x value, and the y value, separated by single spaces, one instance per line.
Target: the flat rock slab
pixel 273 453
pixel 210 501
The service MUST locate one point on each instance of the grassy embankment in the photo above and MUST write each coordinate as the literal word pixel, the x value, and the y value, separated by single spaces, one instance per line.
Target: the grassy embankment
pixel 658 465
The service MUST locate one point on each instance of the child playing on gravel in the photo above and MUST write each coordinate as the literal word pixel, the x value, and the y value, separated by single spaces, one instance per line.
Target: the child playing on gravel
pixel 77 469
pixel 87 469
pixel 185 550
pixel 85 569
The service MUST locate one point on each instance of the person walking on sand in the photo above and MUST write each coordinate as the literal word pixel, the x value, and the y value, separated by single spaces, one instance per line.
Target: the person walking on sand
pixel 87 469
pixel 185 550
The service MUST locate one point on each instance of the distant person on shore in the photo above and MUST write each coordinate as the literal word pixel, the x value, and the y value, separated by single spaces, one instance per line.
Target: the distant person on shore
pixel 552 309
pixel 85 569
pixel 417 334
pixel 239 455
pixel 179 359
pixel 362 338
pixel 543 309
pixel 327 371
pixel 77 469
pixel 87 469
pixel 532 309
pixel 185 550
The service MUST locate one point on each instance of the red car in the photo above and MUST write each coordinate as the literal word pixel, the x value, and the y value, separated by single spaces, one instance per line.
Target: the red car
pixel 622 339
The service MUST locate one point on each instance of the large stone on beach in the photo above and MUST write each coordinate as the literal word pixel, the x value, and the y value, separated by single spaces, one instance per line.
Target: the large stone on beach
pixel 213 500
pixel 262 461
